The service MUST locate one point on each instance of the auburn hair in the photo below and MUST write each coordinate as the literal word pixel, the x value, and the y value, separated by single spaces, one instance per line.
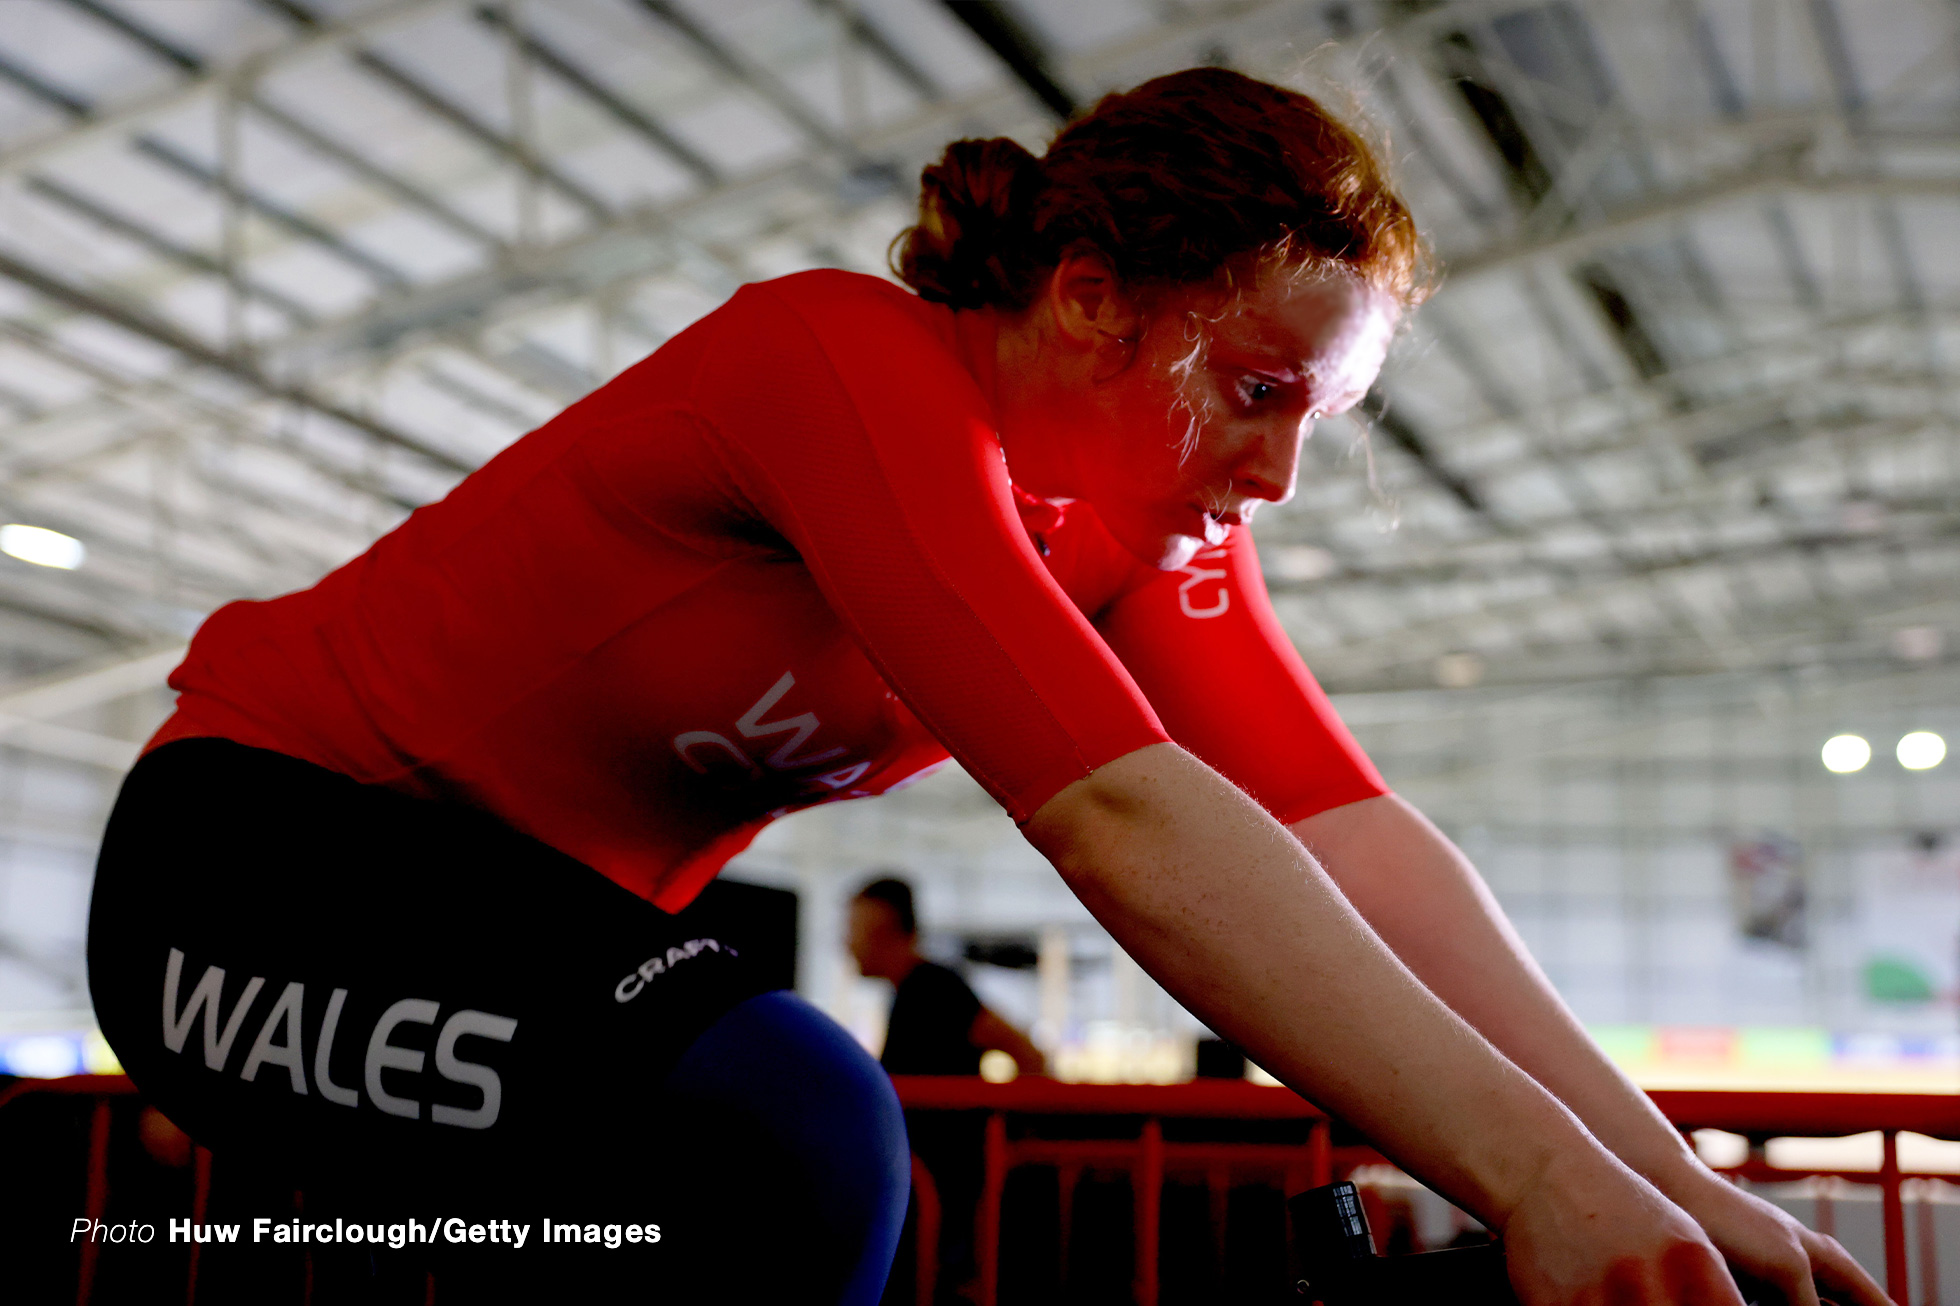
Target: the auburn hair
pixel 1194 178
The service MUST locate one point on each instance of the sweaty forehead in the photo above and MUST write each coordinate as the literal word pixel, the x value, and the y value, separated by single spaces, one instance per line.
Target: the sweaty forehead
pixel 1319 327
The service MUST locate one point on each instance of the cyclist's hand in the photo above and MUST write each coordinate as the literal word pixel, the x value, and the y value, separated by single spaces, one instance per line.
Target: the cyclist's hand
pixel 1769 1245
pixel 1593 1233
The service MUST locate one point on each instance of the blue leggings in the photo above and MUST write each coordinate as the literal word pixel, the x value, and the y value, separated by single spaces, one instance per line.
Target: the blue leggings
pixel 793 1073
pixel 412 1011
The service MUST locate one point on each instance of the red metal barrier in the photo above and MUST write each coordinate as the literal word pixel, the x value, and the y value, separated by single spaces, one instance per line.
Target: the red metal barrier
pixel 1148 1158
pixel 102 1088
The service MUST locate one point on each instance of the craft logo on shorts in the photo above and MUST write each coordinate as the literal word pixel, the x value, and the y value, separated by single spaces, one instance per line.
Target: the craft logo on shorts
pixel 629 988
pixel 280 1044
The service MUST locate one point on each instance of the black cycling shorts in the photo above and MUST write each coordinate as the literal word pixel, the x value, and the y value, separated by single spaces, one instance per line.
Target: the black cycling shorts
pixel 401 1001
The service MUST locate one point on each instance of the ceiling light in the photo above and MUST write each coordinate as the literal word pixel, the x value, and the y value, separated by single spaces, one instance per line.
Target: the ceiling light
pixel 1922 750
pixel 1918 643
pixel 1844 754
pixel 42 547
pixel 1458 670
pixel 42 1056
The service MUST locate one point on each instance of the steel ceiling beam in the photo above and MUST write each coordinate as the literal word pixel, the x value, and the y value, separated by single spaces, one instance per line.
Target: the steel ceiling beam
pixel 174 408
pixel 1419 640
pixel 1927 520
pixel 123 563
pixel 1019 49
pixel 575 279
pixel 1822 335
pixel 386 15
pixel 40 88
pixel 634 246
pixel 1403 435
pixel 294 223
pixel 635 119
pixel 511 151
pixel 151 40
pixel 101 597
pixel 1619 226
pixel 117 633
pixel 366 170
pixel 1827 27
pixel 712 51
pixel 642 244
pixel 71 689
pixel 124 117
pixel 1776 416
pixel 869 35
pixel 169 156
pixel 378 270
pixel 141 322
pixel 163 247
pixel 69 744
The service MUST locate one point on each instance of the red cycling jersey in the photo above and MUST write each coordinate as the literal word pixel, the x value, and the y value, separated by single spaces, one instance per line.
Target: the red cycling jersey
pixel 779 562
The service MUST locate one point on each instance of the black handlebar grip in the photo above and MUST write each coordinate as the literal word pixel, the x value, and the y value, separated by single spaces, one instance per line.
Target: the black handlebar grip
pixel 1340 1267
pixel 1331 1229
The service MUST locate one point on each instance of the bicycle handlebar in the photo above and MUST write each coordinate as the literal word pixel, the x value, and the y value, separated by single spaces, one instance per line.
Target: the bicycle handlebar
pixel 1341 1267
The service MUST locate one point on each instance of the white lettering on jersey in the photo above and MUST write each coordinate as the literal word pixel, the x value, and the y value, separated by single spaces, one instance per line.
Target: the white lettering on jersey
pixel 683 743
pixel 849 775
pixel 1196 575
pixel 801 727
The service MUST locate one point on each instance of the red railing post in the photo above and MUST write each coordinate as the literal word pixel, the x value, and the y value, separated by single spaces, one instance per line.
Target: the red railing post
pixel 1802 1114
pixel 200 1207
pixel 1896 1273
pixel 1218 1186
pixel 1149 1181
pixel 97 1199
pixel 1067 1176
pixel 306 1256
pixel 1929 1244
pixel 925 1232
pixel 986 1234
pixel 1320 1153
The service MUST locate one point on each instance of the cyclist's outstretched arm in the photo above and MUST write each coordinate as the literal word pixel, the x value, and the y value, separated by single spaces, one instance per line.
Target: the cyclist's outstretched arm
pixel 1426 901
pixel 1231 914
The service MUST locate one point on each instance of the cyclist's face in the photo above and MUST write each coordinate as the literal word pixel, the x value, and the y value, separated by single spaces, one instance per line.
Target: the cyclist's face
pixel 1207 419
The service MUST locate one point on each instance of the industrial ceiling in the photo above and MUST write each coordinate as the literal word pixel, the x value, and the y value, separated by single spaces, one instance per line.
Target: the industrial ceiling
pixel 274 272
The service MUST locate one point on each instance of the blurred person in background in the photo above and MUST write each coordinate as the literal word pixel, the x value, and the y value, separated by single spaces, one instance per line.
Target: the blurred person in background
pixel 938 1026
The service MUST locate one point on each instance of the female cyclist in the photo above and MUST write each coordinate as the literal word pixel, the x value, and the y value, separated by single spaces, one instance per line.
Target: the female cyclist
pixel 390 902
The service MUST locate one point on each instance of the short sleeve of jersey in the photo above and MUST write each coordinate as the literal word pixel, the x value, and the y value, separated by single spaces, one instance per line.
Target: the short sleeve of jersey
pixel 853 430
pixel 1205 646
